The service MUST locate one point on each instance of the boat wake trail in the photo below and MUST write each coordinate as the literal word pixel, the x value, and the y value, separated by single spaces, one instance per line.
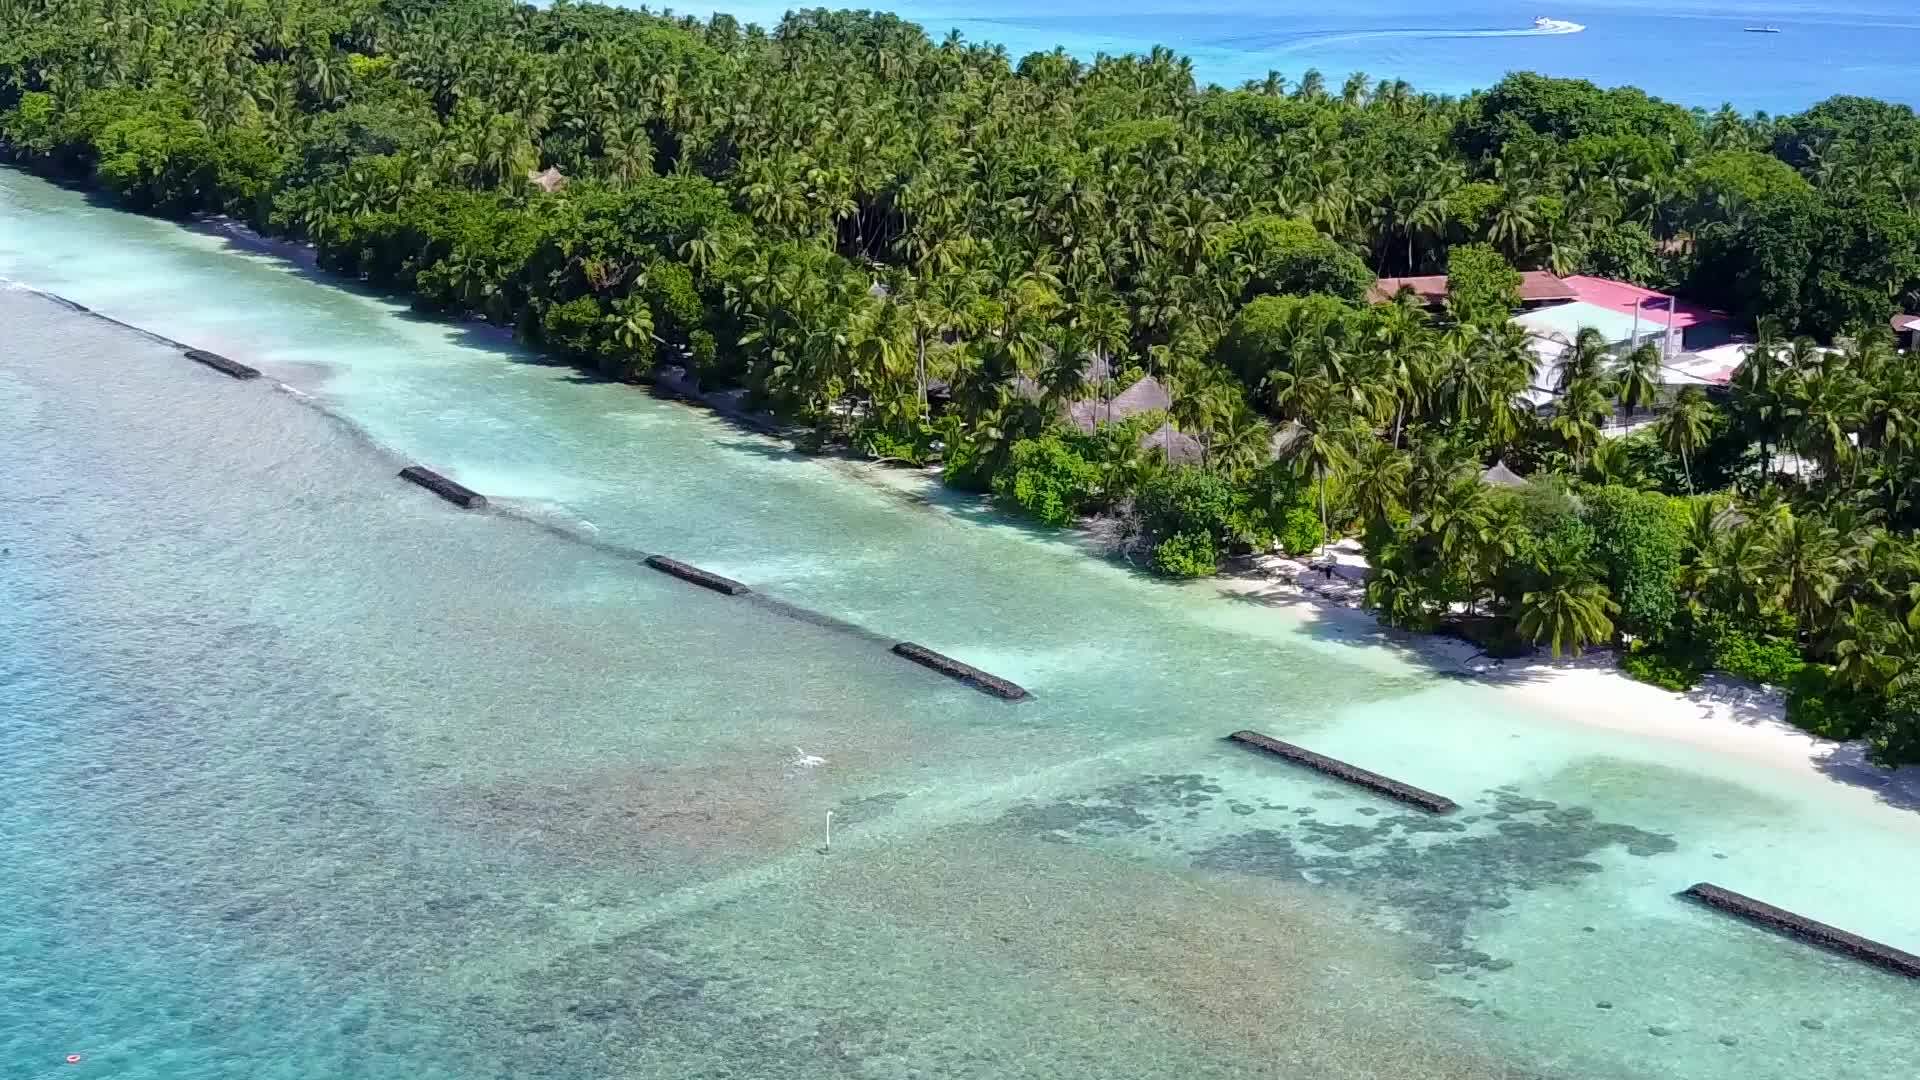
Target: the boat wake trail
pixel 1542 28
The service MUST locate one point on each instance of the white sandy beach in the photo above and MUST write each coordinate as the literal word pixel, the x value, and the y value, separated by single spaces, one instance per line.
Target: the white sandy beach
pixel 1723 715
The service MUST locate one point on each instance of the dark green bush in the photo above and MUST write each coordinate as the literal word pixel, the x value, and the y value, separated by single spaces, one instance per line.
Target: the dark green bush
pixel 1300 531
pixel 1817 703
pixel 576 329
pixel 1048 479
pixel 1638 541
pixel 1661 667
pixel 1764 650
pixel 962 465
pixel 669 292
pixel 877 442
pixel 1186 555
pixel 1893 736
pixel 1190 500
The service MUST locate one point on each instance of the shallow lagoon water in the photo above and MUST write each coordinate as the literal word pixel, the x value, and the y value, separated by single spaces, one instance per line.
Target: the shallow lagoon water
pixel 306 774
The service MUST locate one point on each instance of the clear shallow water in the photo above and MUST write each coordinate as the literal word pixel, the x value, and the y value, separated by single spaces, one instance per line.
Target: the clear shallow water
pixel 305 774
pixel 1687 51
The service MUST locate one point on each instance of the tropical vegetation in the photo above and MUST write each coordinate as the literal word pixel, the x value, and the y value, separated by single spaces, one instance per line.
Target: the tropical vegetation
pixel 934 253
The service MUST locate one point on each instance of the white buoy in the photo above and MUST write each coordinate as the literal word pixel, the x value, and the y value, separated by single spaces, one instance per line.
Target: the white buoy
pixel 829 845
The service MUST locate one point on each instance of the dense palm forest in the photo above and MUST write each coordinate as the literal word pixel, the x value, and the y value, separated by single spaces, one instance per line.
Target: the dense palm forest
pixel 931 253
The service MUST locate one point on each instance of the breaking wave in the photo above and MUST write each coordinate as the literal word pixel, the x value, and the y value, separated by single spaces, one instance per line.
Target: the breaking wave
pixel 1546 28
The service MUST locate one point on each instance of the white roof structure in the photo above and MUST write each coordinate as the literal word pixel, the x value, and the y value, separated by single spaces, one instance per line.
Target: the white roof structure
pixel 1551 330
pixel 1708 367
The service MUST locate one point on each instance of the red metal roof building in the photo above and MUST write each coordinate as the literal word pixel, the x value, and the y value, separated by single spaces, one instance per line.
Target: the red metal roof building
pixel 1536 287
pixel 1694 327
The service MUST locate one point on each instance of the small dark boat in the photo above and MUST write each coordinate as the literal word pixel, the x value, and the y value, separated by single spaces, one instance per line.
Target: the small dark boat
pixel 1761 29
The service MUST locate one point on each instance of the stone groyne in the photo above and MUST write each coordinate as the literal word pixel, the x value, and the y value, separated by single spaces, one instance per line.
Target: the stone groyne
pixel 1352 774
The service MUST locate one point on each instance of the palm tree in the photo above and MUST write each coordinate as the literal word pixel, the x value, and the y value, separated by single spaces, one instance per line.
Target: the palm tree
pixel 1377 483
pixel 1584 361
pixel 1685 428
pixel 1822 407
pixel 1515 224
pixel 1568 615
pixel 1755 391
pixel 1808 564
pixel 1730 571
pixel 1638 377
pixel 1241 444
pixel 1104 326
pixel 1577 418
pixel 1397 593
pixel 1877 650
pixel 1207 397
pixel 1612 463
pixel 1459 519
pixel 1317 444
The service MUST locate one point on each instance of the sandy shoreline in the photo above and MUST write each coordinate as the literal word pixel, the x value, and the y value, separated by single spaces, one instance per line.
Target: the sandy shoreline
pixel 240 235
pixel 1723 716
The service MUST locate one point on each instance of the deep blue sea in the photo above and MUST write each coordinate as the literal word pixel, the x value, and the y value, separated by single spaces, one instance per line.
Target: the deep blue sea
pixel 1687 51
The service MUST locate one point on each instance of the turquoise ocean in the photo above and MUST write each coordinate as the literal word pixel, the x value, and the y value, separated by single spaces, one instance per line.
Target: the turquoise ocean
pixel 305 774
pixel 1687 51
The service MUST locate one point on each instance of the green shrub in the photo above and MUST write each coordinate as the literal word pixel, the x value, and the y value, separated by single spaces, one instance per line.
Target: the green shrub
pixel 704 350
pixel 1637 539
pixel 1893 736
pixel 1483 288
pixel 1048 479
pixel 1289 255
pixel 1763 648
pixel 1300 531
pixel 1190 500
pixel 1186 555
pixel 963 466
pixel 668 289
pixel 576 330
pixel 1763 659
pixel 156 161
pixel 877 442
pixel 1499 638
pixel 1817 703
pixel 1666 668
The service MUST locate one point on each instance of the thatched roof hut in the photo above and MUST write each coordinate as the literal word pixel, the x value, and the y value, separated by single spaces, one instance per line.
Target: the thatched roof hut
pixel 549 181
pixel 1094 373
pixel 1499 475
pixel 1179 447
pixel 1145 396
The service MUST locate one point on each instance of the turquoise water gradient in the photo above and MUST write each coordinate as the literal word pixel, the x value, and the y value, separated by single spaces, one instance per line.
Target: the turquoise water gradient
pixel 305 774
pixel 1690 51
